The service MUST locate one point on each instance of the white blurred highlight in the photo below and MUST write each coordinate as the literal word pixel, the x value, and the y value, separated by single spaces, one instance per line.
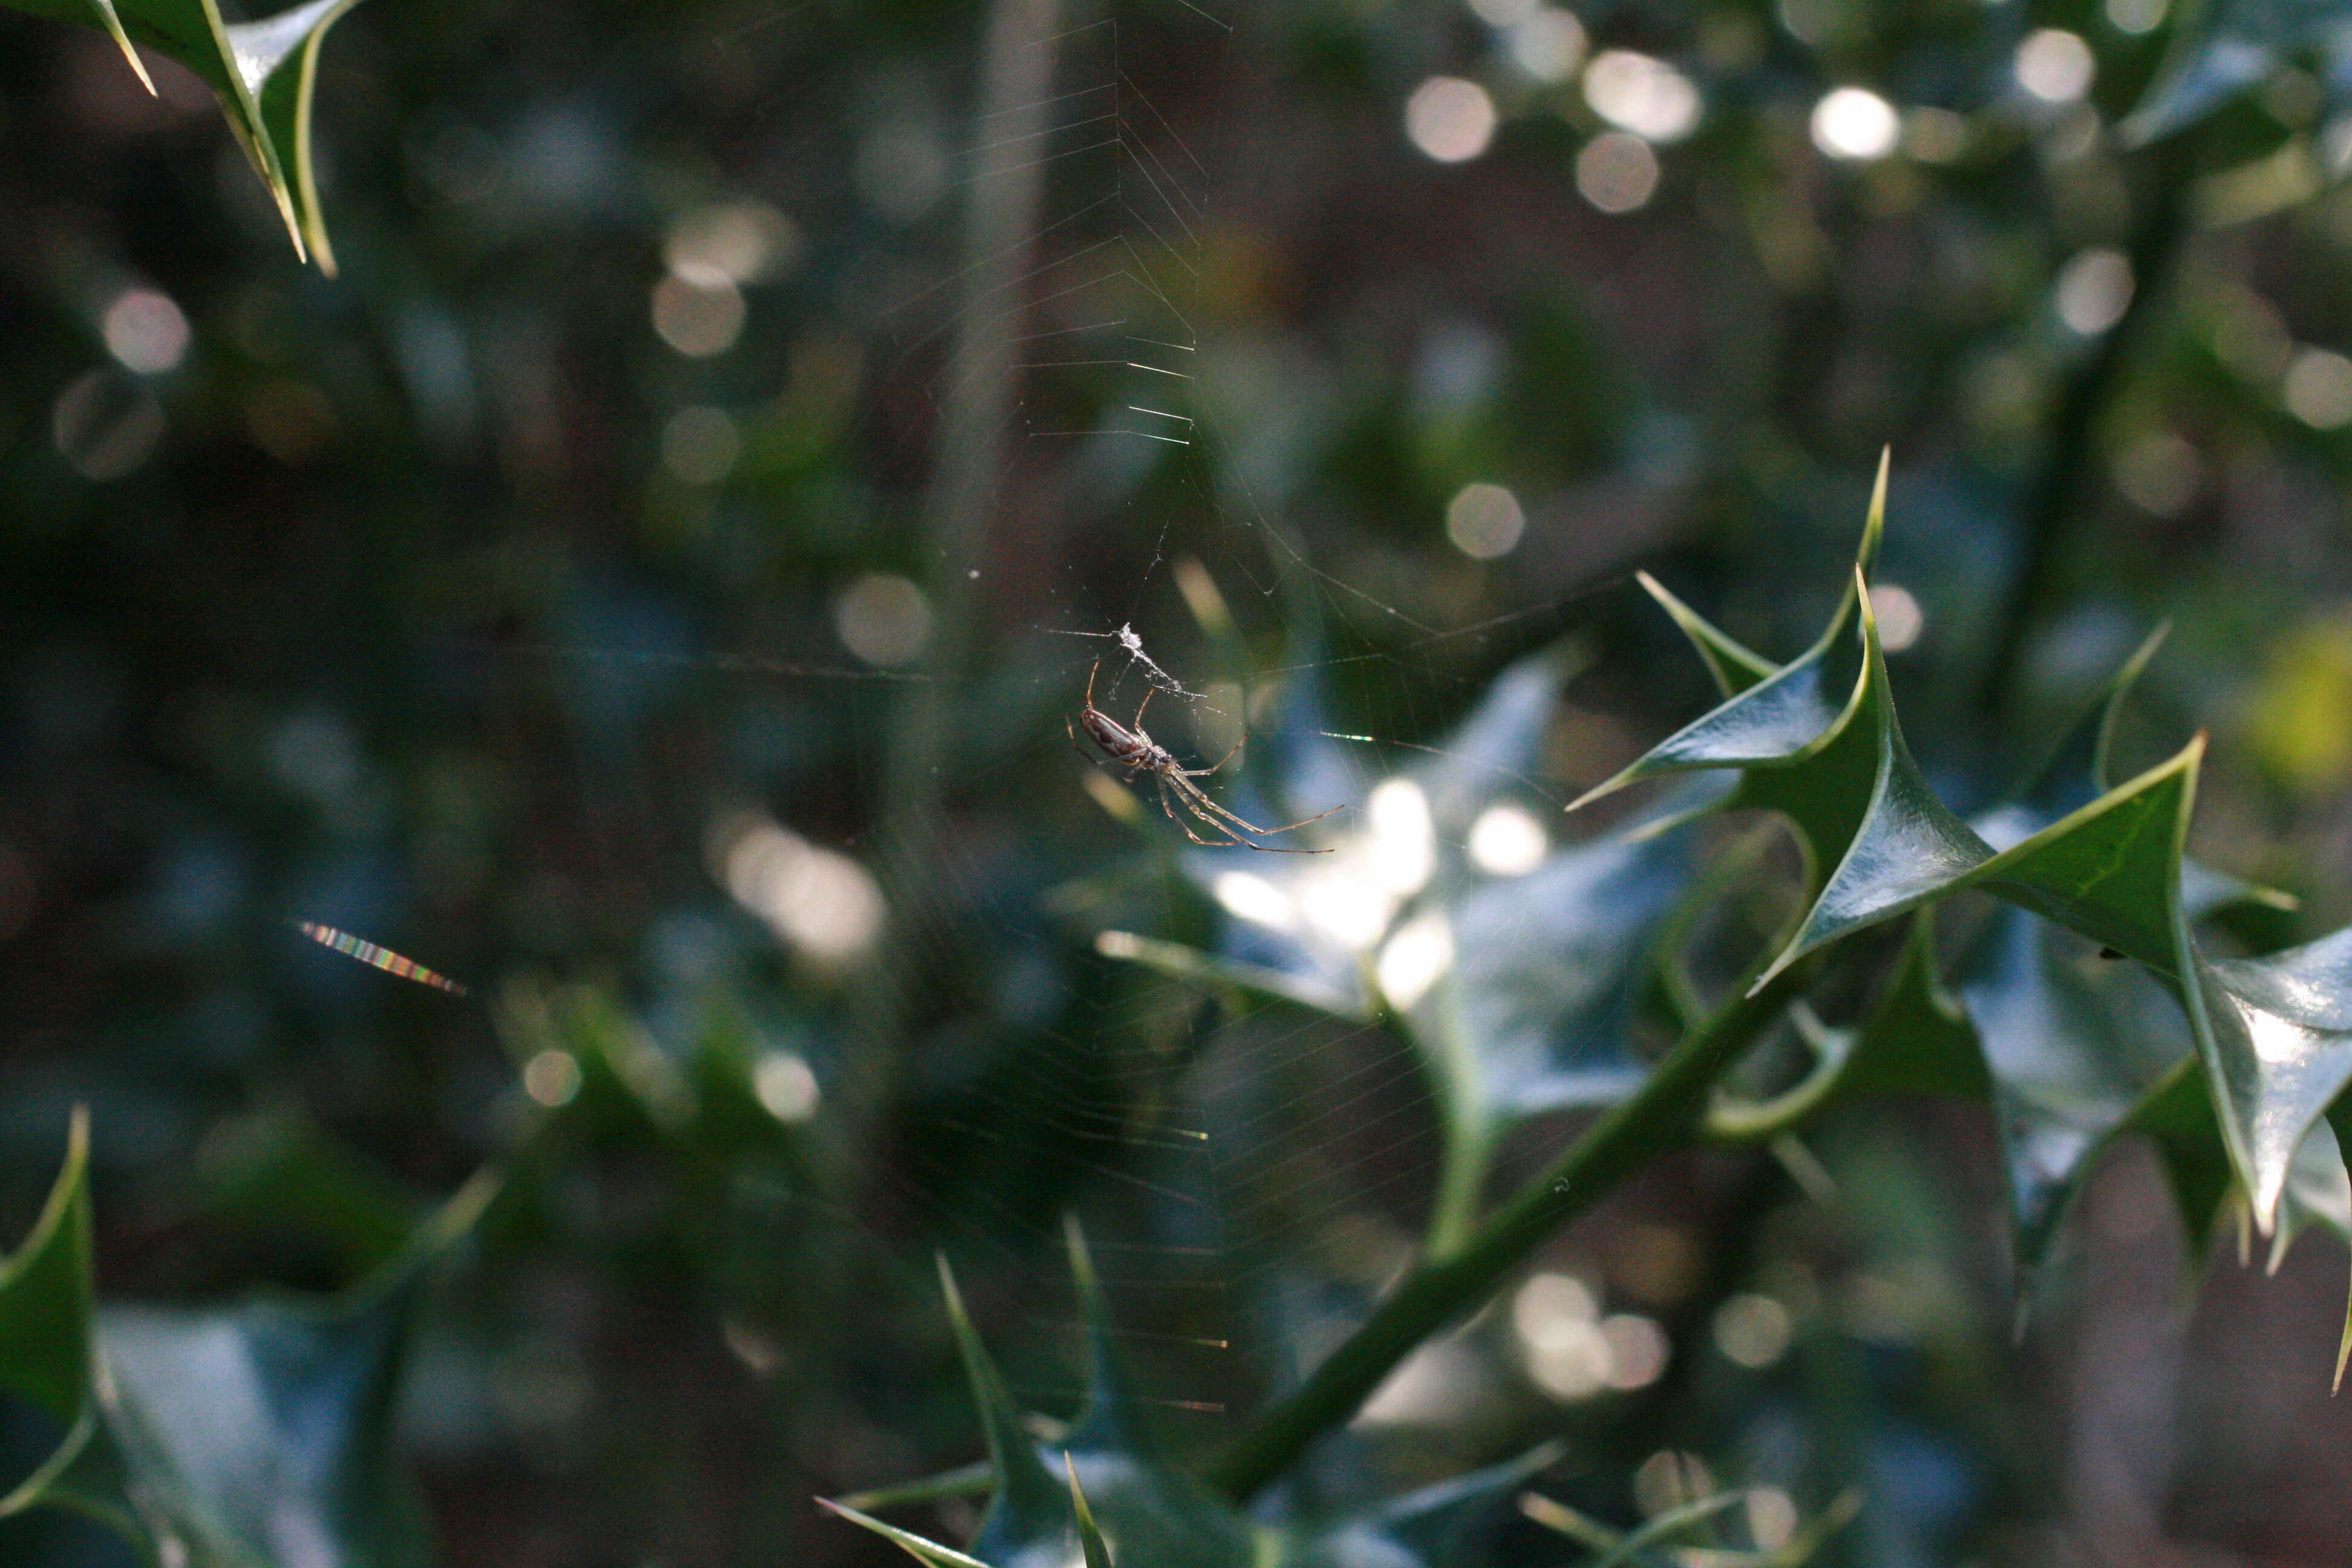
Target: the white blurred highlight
pixel 1485 521
pixel 820 902
pixel 1853 123
pixel 2095 289
pixel 1404 840
pixel 1557 1322
pixel 1549 44
pixel 1638 1350
pixel 1900 619
pixel 1772 1518
pixel 1422 950
pixel 1246 896
pixel 2318 389
pixel 1450 118
pixel 785 1086
pixel 2054 65
pixel 748 242
pixel 1643 95
pixel 145 331
pixel 1507 841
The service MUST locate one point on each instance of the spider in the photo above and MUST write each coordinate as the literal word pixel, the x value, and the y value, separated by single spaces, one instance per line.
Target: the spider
pixel 1131 748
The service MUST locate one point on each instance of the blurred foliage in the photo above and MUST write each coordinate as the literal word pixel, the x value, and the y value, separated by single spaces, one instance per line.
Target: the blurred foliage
pixel 574 592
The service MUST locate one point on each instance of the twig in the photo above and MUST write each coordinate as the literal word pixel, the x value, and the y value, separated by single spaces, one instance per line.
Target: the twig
pixel 1661 1116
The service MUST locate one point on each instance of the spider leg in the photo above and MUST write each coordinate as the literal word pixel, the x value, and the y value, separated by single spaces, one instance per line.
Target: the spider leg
pixel 1229 841
pixel 1200 805
pixel 1213 767
pixel 1090 680
pixel 1195 792
pixel 1070 729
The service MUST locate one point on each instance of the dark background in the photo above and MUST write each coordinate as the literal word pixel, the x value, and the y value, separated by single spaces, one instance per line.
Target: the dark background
pixel 427 601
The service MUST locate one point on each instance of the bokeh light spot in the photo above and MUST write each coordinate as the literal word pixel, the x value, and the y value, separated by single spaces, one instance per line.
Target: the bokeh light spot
pixel 2136 17
pixel 1643 95
pixel 819 901
pixel 1450 119
pixel 1421 952
pixel 2054 65
pixel 1549 44
pixel 2095 289
pixel 1617 172
pixel 786 1087
pixel 1556 1319
pixel 552 1078
pixel 145 331
pixel 2318 388
pixel 1484 521
pixel 1638 1350
pixel 1507 841
pixel 1404 840
pixel 883 619
pixel 1900 619
pixel 1668 1481
pixel 748 242
pixel 1854 122
pixel 1248 896
pixel 698 311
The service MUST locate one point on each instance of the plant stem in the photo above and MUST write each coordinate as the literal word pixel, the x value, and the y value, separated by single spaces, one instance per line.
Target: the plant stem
pixel 2062 490
pixel 1661 1116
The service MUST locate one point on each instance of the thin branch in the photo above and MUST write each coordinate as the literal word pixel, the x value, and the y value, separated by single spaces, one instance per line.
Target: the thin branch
pixel 1663 1115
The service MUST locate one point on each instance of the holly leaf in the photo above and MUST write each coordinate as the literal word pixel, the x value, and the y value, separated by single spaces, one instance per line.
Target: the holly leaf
pixel 249 1436
pixel 2229 45
pixel 1120 1500
pixel 264 74
pixel 49 1354
pixel 1769 720
pixel 2274 1035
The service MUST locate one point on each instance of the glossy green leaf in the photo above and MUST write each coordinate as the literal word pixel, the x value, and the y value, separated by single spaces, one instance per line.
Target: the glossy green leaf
pixel 47 1354
pixel 264 73
pixel 252 1436
pixel 1090 1535
pixel 45 1295
pixel 2274 1035
pixel 1773 719
pixel 1120 1501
